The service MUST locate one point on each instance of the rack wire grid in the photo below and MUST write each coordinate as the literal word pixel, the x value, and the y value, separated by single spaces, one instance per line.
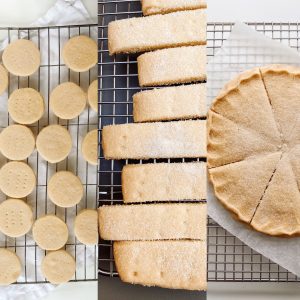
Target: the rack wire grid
pixel 228 258
pixel 52 72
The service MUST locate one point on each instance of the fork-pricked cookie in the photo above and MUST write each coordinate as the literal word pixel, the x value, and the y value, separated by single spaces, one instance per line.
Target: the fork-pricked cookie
pixel 174 65
pixel 155 140
pixel 170 103
pixel 157 32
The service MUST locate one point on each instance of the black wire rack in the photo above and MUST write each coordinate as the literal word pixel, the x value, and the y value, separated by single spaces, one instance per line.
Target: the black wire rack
pixel 228 258
pixel 52 72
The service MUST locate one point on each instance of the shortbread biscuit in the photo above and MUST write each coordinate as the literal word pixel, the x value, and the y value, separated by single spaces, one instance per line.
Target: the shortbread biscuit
pixel 92 95
pixel 170 103
pixel 54 143
pixel 17 179
pixel 16 217
pixel 151 7
pixel 21 57
pixel 170 66
pixel 153 222
pixel 86 226
pixel 176 181
pixel 65 189
pixel 89 147
pixel 156 32
pixel 58 266
pixel 67 100
pixel 26 106
pixel 80 53
pixel 10 267
pixel 3 79
pixel 168 264
pixel 155 140
pixel 17 142
pixel 50 232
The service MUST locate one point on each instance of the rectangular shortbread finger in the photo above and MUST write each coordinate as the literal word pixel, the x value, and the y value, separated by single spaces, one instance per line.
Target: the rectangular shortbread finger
pixel 173 181
pixel 157 32
pixel 151 7
pixel 168 264
pixel 174 65
pixel 155 140
pixel 147 222
pixel 170 103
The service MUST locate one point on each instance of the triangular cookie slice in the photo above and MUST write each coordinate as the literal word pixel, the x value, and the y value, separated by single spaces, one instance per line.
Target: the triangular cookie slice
pixel 239 186
pixel 283 86
pixel 228 142
pixel 244 100
pixel 279 210
pixel 294 156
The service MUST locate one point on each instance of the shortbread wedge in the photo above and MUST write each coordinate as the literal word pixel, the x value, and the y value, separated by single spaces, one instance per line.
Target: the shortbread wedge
pixel 132 35
pixel 155 140
pixel 170 103
pixel 151 7
pixel 168 264
pixel 174 182
pixel 153 222
pixel 173 65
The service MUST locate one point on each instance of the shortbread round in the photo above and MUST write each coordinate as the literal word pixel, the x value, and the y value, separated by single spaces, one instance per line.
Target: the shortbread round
pixel 16 217
pixel 65 189
pixel 50 232
pixel 86 227
pixel 26 106
pixel 54 143
pixel 21 57
pixel 10 267
pixel 68 100
pixel 58 266
pixel 89 147
pixel 93 95
pixel 80 53
pixel 17 179
pixel 17 142
pixel 3 79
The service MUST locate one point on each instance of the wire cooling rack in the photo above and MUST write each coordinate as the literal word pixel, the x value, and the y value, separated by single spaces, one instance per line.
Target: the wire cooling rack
pixel 228 258
pixel 52 71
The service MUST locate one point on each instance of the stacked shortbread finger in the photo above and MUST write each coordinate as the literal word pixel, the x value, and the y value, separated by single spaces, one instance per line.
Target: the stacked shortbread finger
pixel 160 238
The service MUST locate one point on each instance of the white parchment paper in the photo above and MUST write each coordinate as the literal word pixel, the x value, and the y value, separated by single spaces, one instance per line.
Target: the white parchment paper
pixel 245 49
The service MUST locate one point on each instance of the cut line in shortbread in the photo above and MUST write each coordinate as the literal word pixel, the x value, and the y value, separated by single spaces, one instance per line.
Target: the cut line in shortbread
pixel 151 7
pixel 184 28
pixel 174 65
pixel 170 103
pixel 174 181
pixel 168 264
pixel 155 140
pixel 10 266
pixel 166 221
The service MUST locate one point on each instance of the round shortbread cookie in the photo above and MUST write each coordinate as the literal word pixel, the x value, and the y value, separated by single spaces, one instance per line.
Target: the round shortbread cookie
pixel 26 106
pixel 54 143
pixel 58 266
pixel 21 57
pixel 68 100
pixel 86 227
pixel 3 79
pixel 17 142
pixel 10 267
pixel 89 147
pixel 17 179
pixel 93 95
pixel 65 189
pixel 16 217
pixel 80 53
pixel 50 232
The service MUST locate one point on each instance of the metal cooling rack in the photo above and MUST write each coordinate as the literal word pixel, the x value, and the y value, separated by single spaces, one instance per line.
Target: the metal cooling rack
pixel 228 258
pixel 52 72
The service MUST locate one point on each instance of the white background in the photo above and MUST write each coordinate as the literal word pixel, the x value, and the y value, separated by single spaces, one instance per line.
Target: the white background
pixel 23 12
